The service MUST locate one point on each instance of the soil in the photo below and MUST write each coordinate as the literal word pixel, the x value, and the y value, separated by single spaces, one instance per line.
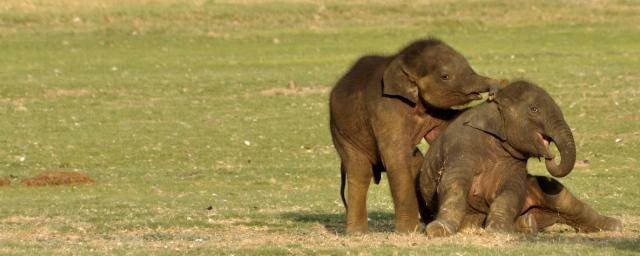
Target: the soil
pixel 5 181
pixel 59 177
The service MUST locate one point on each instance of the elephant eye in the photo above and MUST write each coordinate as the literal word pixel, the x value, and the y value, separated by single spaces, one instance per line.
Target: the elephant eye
pixel 444 77
pixel 534 110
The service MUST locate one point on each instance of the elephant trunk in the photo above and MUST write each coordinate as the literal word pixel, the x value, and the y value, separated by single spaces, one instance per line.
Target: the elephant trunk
pixel 563 138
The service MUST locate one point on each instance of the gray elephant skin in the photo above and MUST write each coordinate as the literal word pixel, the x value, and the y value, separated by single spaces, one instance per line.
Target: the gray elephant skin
pixel 478 167
pixel 381 109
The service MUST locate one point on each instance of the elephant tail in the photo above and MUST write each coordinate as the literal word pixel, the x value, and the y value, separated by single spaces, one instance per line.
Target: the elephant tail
pixel 377 172
pixel 343 179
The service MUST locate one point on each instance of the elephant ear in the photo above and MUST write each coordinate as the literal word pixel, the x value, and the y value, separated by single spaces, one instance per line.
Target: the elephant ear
pixel 488 119
pixel 398 81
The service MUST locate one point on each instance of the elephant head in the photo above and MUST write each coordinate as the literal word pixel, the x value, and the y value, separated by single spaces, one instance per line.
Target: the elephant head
pixel 432 71
pixel 528 119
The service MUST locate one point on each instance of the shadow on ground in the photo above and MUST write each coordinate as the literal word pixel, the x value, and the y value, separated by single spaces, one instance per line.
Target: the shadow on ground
pixel 619 243
pixel 335 222
pixel 383 222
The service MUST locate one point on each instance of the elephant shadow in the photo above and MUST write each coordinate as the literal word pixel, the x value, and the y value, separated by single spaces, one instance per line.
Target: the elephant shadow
pixel 335 222
pixel 616 243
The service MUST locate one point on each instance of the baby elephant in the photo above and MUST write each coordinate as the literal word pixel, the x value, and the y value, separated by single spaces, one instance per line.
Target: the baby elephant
pixel 478 165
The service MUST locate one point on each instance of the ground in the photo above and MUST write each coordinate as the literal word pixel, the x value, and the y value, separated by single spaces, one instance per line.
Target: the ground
pixel 204 123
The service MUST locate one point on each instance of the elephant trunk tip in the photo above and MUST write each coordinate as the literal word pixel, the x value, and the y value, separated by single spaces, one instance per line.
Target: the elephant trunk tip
pixel 554 169
pixel 566 146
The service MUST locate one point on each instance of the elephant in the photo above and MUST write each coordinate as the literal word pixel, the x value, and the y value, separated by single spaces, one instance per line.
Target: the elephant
pixel 381 109
pixel 549 202
pixel 477 167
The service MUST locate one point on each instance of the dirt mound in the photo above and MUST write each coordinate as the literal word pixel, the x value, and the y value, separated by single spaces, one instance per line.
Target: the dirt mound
pixel 293 89
pixel 53 178
pixel 5 181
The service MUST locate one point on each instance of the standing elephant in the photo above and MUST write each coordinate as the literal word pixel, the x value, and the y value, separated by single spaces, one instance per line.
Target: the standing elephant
pixel 381 109
pixel 478 166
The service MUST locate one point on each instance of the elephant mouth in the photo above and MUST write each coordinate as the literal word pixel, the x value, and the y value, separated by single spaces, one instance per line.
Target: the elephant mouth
pixel 545 141
pixel 472 99
pixel 474 96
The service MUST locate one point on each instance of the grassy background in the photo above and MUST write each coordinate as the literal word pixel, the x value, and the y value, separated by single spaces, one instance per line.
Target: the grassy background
pixel 174 107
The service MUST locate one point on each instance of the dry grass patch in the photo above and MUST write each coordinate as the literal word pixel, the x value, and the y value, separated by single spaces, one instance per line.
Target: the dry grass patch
pixel 234 234
pixel 240 236
pixel 42 228
pixel 293 89
pixel 79 92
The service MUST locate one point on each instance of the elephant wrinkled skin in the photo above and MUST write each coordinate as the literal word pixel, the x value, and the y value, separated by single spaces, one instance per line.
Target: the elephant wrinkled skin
pixel 478 168
pixel 381 109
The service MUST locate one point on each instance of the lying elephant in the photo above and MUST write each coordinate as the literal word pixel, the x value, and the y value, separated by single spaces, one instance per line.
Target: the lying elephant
pixel 478 167
pixel 381 109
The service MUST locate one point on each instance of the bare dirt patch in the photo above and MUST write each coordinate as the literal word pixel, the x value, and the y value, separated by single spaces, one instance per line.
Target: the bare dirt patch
pixel 77 92
pixel 5 181
pixel 18 104
pixel 294 89
pixel 59 177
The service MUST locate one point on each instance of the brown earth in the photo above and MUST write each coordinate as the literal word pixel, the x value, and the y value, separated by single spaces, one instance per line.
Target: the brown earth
pixel 5 181
pixel 78 92
pixel 59 177
pixel 293 89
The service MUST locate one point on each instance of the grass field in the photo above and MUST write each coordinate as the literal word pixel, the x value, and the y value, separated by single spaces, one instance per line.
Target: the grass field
pixel 185 115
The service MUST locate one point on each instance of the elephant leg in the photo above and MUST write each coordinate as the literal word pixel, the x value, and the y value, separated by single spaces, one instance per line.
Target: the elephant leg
pixel 545 217
pixel 359 174
pixel 402 172
pixel 426 185
pixel 452 194
pixel 507 206
pixel 357 168
pixel 525 223
pixel 425 209
pixel 570 210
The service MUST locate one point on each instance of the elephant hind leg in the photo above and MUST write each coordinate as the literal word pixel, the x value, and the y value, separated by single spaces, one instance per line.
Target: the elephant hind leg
pixel 355 175
pixel 559 205
pixel 357 168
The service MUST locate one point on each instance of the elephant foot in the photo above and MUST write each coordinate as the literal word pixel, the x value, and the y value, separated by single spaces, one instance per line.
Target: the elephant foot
pixel 440 228
pixel 611 224
pixel 407 227
pixel 604 224
pixel 472 221
pixel 526 223
pixel 357 229
pixel 498 227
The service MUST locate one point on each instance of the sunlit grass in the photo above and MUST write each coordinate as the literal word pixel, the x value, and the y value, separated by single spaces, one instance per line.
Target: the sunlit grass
pixel 185 115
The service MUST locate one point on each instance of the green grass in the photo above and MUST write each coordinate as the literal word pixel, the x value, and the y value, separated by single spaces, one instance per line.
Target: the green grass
pixel 155 100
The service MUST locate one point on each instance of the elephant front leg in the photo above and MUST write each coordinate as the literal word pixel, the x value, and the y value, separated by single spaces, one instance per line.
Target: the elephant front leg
pixel 572 210
pixel 507 206
pixel 452 195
